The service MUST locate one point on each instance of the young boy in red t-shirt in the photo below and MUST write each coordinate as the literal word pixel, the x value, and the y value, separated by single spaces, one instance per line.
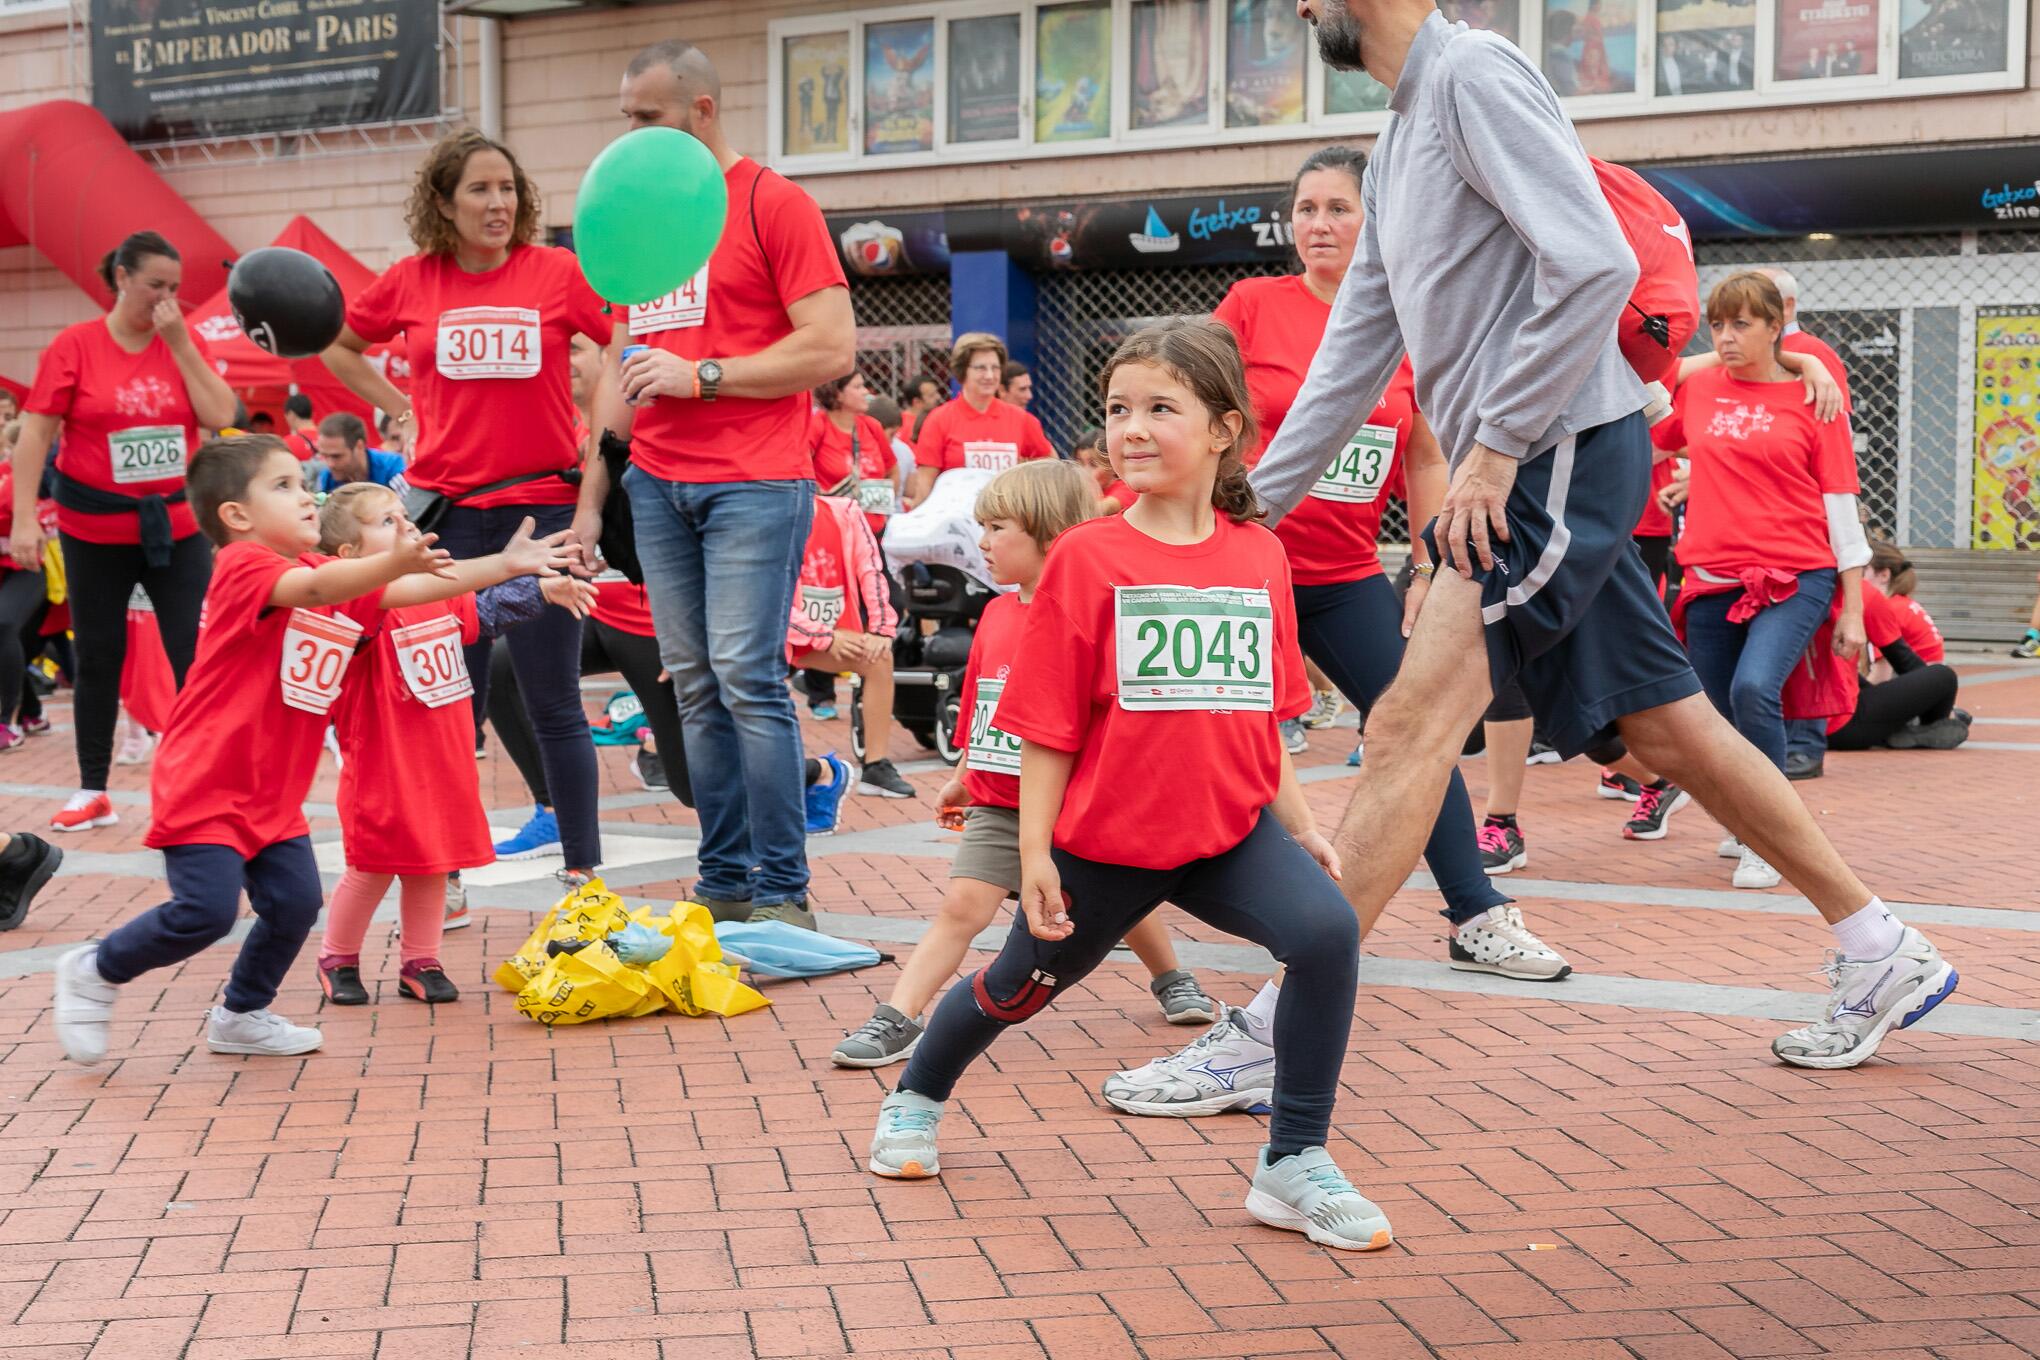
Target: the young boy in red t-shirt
pixel 281 623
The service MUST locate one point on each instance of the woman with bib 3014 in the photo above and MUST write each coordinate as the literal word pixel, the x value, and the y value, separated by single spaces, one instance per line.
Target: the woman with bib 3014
pixel 129 393
pixel 489 317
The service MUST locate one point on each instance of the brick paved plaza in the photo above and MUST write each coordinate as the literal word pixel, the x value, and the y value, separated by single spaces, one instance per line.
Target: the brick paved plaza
pixel 1612 1166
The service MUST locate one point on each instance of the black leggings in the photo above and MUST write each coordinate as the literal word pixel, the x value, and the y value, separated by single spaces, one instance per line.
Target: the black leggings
pixel 1266 889
pixel 603 649
pixel 100 578
pixel 1927 694
pixel 21 611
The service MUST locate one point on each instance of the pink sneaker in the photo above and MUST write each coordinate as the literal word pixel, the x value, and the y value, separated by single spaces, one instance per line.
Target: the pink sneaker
pixel 11 738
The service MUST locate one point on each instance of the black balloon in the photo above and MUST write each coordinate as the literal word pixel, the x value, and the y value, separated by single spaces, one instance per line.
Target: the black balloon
pixel 286 301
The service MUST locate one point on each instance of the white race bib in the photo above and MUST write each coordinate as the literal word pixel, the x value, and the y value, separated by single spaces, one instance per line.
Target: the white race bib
pixel 316 650
pixel 1180 647
pixel 147 453
pixel 991 751
pixel 1357 475
pixel 877 496
pixel 823 605
pixel 684 307
pixel 433 663
pixel 990 455
pixel 488 342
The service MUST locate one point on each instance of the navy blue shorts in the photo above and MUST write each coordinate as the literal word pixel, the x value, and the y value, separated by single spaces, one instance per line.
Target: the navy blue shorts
pixel 1572 614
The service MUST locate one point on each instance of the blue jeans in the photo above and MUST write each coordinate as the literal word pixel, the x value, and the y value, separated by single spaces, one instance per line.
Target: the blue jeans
pixel 1353 631
pixel 721 561
pixel 1806 736
pixel 1743 666
pixel 205 898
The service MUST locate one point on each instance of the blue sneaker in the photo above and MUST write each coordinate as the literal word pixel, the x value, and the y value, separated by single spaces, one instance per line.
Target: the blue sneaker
pixel 1354 758
pixel 825 801
pixel 539 836
pixel 823 712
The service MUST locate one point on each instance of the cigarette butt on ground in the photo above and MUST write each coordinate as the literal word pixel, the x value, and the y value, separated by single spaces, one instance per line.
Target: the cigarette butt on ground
pixel 1544 1246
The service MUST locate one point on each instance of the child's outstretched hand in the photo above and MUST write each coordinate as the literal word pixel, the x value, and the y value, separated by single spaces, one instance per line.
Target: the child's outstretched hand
pixel 950 804
pixel 419 554
pixel 548 556
pixel 570 593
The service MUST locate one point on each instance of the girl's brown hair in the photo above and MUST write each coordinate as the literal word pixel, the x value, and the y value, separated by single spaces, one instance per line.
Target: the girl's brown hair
pixel 1887 557
pixel 345 511
pixel 1044 496
pixel 439 179
pixel 1205 358
pixel 1746 291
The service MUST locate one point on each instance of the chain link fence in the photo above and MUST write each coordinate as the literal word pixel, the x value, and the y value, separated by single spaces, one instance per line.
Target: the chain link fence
pixel 902 330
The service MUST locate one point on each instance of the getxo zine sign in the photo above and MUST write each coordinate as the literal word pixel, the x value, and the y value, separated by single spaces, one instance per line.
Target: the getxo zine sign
pixel 166 70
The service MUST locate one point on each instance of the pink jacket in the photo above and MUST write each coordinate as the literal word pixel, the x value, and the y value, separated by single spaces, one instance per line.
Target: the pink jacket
pixel 867 596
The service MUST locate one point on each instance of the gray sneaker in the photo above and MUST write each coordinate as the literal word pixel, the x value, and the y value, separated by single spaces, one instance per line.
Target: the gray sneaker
pixel 1183 1002
pixel 1307 1193
pixel 886 1038
pixel 793 913
pixel 261 1032
pixel 1294 739
pixel 903 1145
pixel 1871 997
pixel 83 1009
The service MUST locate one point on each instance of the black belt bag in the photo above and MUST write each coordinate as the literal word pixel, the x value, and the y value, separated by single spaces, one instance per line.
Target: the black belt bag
pixel 427 508
pixel 153 509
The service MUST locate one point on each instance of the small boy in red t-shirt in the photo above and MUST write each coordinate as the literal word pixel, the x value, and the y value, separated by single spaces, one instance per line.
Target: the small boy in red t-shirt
pixel 280 626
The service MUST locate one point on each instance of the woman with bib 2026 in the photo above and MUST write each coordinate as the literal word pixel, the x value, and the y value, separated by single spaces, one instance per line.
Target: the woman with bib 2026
pixel 129 392
pixel 489 317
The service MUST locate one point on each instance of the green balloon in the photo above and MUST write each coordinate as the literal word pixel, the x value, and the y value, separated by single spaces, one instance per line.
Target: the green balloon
pixel 649 213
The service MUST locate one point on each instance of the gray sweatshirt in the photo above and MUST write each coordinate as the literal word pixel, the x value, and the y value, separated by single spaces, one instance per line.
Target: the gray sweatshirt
pixel 1489 253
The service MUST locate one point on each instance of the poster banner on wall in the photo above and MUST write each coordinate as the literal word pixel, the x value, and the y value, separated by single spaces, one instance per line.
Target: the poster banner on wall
pixel 1354 92
pixel 2005 509
pixel 1706 46
pixel 1171 63
pixel 1826 39
pixel 169 69
pixel 1590 46
pixel 899 87
pixel 1950 37
pixel 815 85
pixel 984 78
pixel 1073 73
pixel 1491 16
pixel 1264 63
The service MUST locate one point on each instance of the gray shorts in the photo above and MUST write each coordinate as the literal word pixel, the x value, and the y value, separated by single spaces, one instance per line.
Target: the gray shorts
pixel 990 852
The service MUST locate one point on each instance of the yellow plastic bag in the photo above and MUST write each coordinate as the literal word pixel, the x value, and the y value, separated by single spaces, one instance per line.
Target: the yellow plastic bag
pixel 592 983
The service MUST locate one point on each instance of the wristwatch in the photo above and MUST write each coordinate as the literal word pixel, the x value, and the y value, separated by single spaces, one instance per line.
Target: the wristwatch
pixel 707 379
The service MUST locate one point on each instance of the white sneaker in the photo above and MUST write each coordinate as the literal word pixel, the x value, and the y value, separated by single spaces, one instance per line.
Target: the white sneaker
pixel 457 916
pixel 1730 848
pixel 1753 872
pixel 263 1032
pixel 333 745
pixel 136 747
pixel 1498 942
pixel 1870 998
pixel 83 1009
pixel 1307 1193
pixel 1325 706
pixel 1224 1068
pixel 903 1145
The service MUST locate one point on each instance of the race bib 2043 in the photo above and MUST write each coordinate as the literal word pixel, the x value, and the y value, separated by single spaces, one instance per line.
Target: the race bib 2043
pixel 991 750
pixel 1357 475
pixel 1182 647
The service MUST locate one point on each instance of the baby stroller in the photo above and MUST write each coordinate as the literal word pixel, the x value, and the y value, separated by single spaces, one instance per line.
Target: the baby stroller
pixel 933 553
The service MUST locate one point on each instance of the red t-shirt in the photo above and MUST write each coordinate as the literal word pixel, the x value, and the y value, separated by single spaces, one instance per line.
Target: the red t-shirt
pixel 106 396
pixel 1157 787
pixel 1761 463
pixel 1656 521
pixel 735 307
pixel 825 598
pixel 45 512
pixel 303 443
pixel 1802 342
pixel 1279 323
pixel 1121 492
pixel 410 799
pixel 490 382
pixel 876 461
pixel 243 743
pixel 1916 625
pixel 991 775
pixel 622 605
pixel 956 435
pixel 1880 626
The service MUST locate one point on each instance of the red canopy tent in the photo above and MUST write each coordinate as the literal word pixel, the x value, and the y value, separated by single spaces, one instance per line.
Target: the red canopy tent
pixel 261 377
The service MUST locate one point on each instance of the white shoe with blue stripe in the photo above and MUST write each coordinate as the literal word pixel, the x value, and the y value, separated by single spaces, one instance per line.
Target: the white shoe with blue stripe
pixel 1225 1068
pixel 1871 998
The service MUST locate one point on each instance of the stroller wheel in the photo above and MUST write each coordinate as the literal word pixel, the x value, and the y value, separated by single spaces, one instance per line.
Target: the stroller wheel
pixel 857 724
pixel 949 740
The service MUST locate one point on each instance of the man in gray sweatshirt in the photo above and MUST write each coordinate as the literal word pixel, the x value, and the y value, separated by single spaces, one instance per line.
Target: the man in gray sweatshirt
pixel 1489 253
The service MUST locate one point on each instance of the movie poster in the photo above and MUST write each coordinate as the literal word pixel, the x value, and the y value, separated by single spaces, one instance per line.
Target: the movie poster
pixel 815 85
pixel 2005 509
pixel 1590 46
pixel 1950 37
pixel 1706 46
pixel 1504 17
pixel 899 87
pixel 1171 63
pixel 1826 39
pixel 1073 73
pixel 984 79
pixel 1265 54
pixel 1353 92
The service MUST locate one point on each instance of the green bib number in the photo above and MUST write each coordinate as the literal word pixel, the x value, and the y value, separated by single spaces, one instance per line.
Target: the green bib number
pixel 1357 475
pixel 147 453
pixel 1185 648
pixel 875 496
pixel 991 751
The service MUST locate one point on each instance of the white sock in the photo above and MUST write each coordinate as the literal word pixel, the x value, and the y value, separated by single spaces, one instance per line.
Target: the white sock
pixel 1261 1010
pixel 1872 933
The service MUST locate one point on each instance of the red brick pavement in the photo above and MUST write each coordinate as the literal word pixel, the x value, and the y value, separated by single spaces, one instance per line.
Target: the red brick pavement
pixel 460 1182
